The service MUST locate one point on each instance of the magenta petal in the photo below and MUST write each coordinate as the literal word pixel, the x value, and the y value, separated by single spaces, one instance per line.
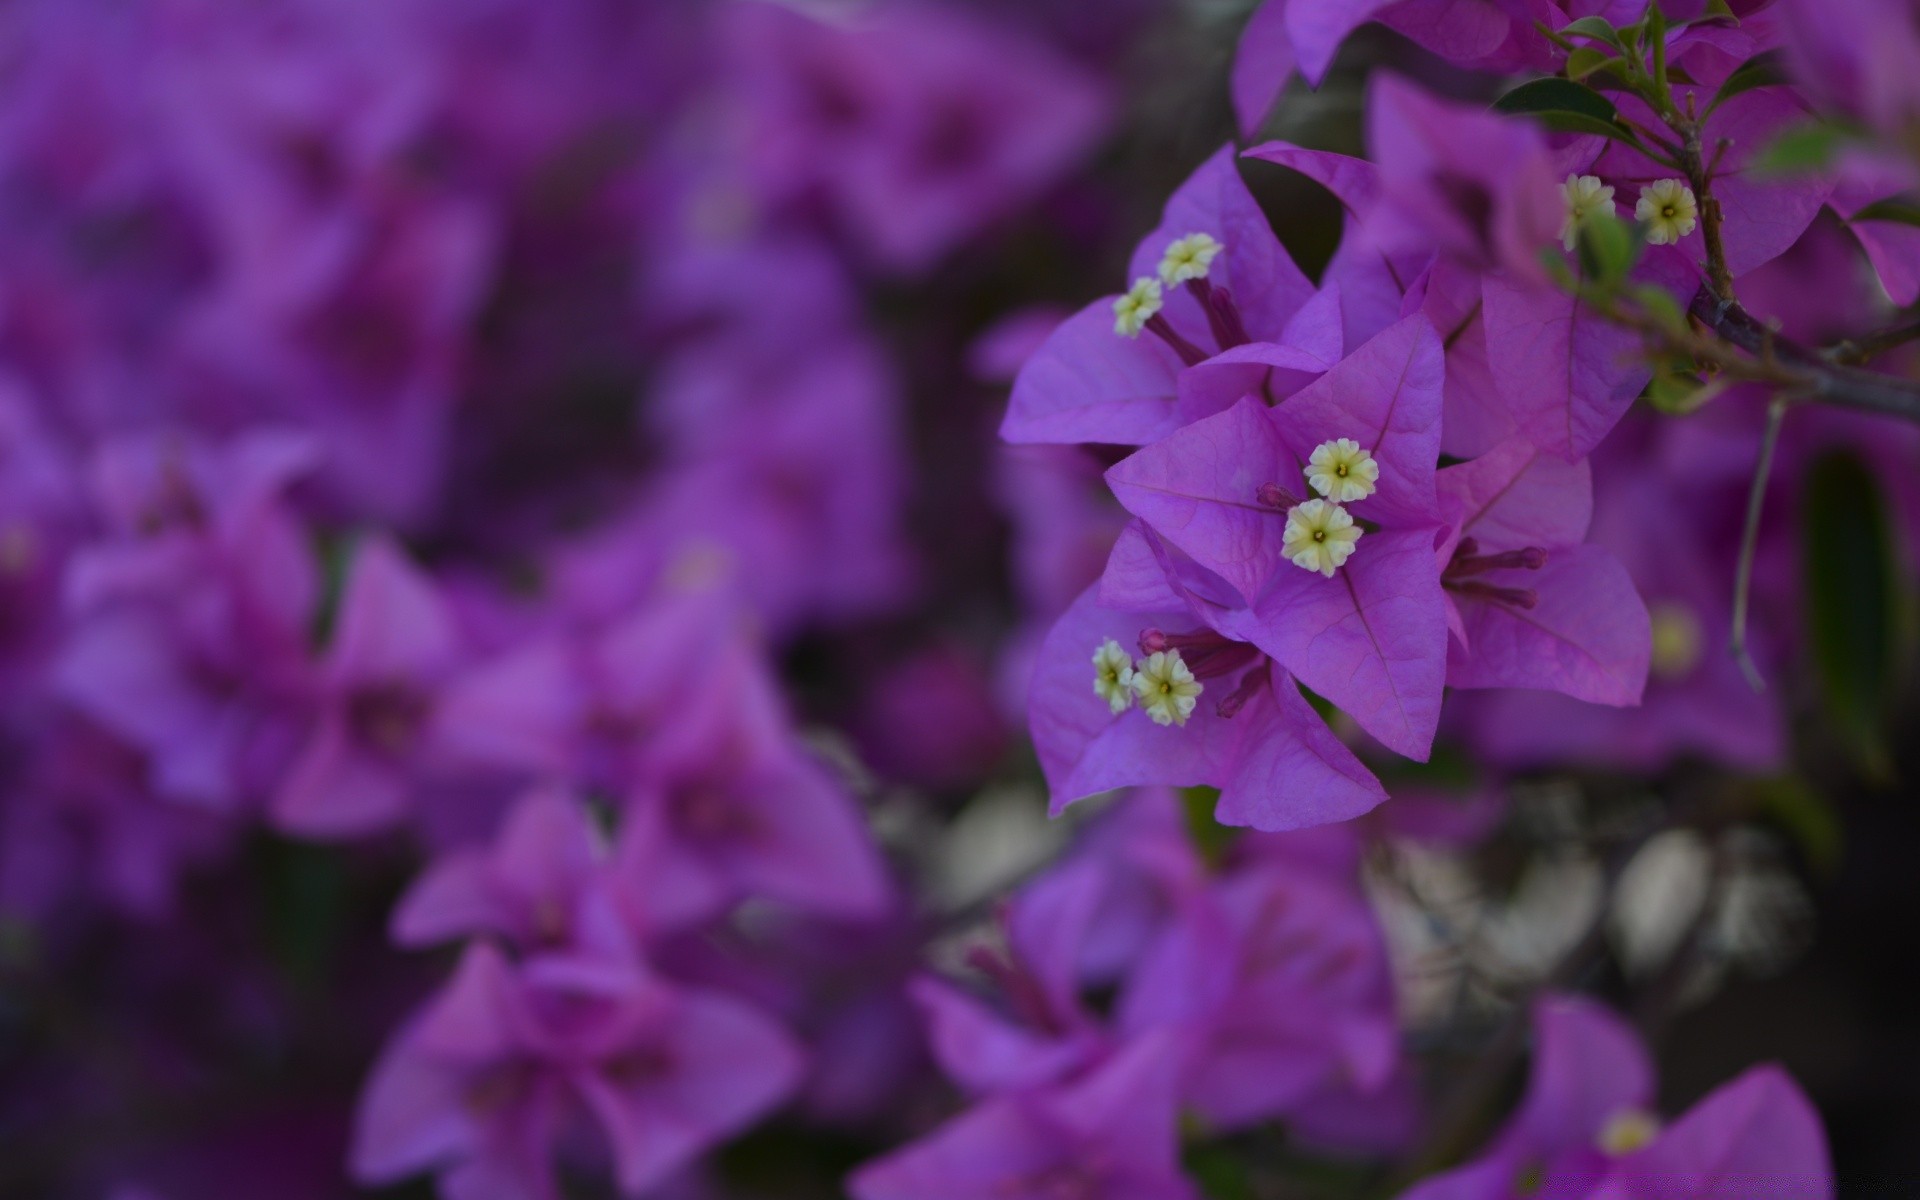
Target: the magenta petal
pixel 1268 370
pixel 1588 1065
pixel 516 711
pixel 985 1053
pixel 1893 248
pixel 1567 374
pixel 452 898
pixel 1087 383
pixel 1294 772
pixel 1355 182
pixel 1372 639
pixel 1135 580
pixel 986 1151
pixel 1267 287
pixel 1386 396
pixel 1083 747
pixel 1198 489
pixel 1515 495
pixel 1262 64
pixel 726 1064
pixel 1317 28
pixel 337 789
pixel 1755 1136
pixel 1588 637
pixel 393 623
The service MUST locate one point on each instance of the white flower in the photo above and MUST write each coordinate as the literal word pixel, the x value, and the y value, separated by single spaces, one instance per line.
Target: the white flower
pixel 1627 1130
pixel 1319 536
pixel 1189 257
pixel 1113 676
pixel 1582 195
pixel 1668 209
pixel 1132 311
pixel 1343 471
pixel 1167 689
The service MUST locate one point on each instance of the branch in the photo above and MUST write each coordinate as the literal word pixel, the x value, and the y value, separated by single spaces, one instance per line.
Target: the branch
pixel 1855 351
pixel 1811 374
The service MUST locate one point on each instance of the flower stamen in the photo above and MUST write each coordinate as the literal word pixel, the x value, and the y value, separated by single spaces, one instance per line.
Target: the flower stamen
pixel 1320 536
pixel 1668 209
pixel 1167 689
pixel 1343 471
pixel 1113 676
pixel 1583 195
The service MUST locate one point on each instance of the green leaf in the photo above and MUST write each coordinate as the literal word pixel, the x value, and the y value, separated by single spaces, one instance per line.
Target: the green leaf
pixel 1572 122
pixel 1675 390
pixel 1586 60
pixel 1210 837
pixel 1598 29
pixel 1901 209
pixel 1852 594
pixel 1608 248
pixel 1800 150
pixel 1557 96
pixel 1661 306
pixel 1762 70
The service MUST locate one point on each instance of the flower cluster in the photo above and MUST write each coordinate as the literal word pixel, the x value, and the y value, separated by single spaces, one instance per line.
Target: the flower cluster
pixel 513 613
pixel 428 426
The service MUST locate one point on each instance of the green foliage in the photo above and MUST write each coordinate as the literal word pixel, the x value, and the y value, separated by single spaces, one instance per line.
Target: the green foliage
pixel 1609 247
pixel 1896 208
pixel 1852 597
pixel 1566 107
pixel 1210 837
pixel 1586 61
pixel 1800 150
pixel 1597 29
pixel 1762 70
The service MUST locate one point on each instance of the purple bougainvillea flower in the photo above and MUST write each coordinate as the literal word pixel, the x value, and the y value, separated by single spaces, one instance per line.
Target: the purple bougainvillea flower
pixel 1586 1128
pixel 504 1069
pixel 728 803
pixel 1111 1134
pixel 191 615
pixel 1091 382
pixel 394 644
pixel 1282 978
pixel 918 124
pixel 1536 606
pixel 1696 700
pixel 1856 58
pixel 1473 185
pixel 1248 732
pixel 1042 1030
pixel 543 885
pixel 1561 376
pixel 1366 630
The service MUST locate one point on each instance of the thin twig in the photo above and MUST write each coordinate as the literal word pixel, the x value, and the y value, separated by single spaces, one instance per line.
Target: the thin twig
pixel 1855 351
pixel 1750 540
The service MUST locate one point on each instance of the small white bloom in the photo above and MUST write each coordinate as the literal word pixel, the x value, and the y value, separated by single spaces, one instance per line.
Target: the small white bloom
pixel 1668 209
pixel 1167 689
pixel 1627 1130
pixel 1132 311
pixel 1113 676
pixel 1343 471
pixel 1319 536
pixel 1189 257
pixel 1583 195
